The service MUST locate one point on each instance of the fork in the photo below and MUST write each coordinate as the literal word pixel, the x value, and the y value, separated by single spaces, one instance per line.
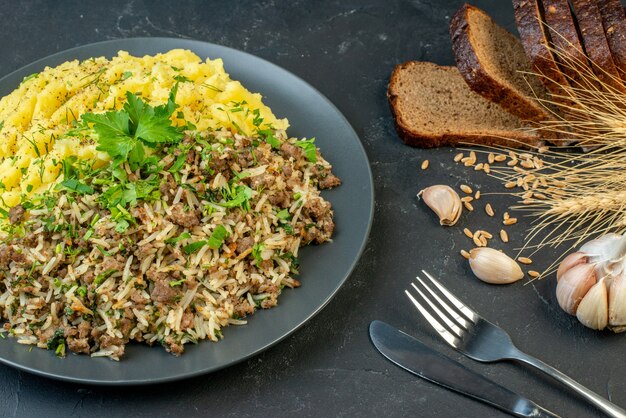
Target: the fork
pixel 479 339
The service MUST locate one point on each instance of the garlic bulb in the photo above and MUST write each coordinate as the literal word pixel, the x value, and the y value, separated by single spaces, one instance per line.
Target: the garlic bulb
pixel 493 266
pixel 444 201
pixel 591 283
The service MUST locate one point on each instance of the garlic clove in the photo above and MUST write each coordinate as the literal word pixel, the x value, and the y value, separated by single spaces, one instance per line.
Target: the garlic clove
pixel 574 285
pixel 444 201
pixel 493 266
pixel 617 304
pixel 593 310
pixel 570 261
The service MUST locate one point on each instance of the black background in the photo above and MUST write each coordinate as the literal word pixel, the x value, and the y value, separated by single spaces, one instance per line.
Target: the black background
pixel 346 49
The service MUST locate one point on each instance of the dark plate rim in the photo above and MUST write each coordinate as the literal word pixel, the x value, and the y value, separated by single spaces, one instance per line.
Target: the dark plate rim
pixel 329 297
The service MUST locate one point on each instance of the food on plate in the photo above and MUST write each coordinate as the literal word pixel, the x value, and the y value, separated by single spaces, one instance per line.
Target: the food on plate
pixel 171 203
pixel 38 114
pixel 591 283
pixel 444 201
pixel 432 106
pixel 493 266
pixel 493 63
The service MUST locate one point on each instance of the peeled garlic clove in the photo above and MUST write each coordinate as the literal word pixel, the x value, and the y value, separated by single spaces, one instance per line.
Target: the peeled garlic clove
pixel 570 261
pixel 574 285
pixel 444 201
pixel 617 304
pixel 593 310
pixel 493 266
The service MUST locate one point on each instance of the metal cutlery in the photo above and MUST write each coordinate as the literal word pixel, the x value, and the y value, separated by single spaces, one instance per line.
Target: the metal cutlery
pixel 417 358
pixel 479 339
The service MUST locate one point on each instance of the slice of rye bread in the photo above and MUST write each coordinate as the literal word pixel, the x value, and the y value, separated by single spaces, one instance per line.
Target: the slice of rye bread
pixel 535 39
pixel 566 41
pixel 494 64
pixel 614 24
pixel 433 106
pixel 595 42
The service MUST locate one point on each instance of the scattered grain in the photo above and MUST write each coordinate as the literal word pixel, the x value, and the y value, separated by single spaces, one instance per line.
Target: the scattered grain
pixel 468 233
pixel 489 210
pixel 458 157
pixel 479 167
pixel 466 188
pixel 491 158
pixel 465 254
pixel 486 234
pixel 478 242
pixel 533 273
pixel 500 158
pixel 468 206
pixel 506 216
pixel 524 260
pixel 477 195
pixel 487 168
pixel 510 185
pixel 512 163
pixel 510 221
pixel 504 236
pixel 467 199
pixel 425 164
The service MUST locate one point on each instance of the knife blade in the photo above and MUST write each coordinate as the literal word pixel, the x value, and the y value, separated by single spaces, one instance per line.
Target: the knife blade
pixel 412 355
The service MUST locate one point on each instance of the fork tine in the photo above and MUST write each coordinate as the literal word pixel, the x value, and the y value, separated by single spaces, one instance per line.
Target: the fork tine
pixel 459 319
pixel 445 334
pixel 470 314
pixel 442 316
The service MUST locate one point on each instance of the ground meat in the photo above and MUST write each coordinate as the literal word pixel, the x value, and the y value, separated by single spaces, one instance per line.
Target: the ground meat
pixel 8 254
pixel 163 292
pixel 110 263
pixel 244 244
pixel 315 235
pixel 140 213
pixel 245 158
pixel 126 326
pixel 287 170
pixel 144 251
pixel 329 181
pixel 43 336
pixel 187 219
pixel 173 347
pixel 31 240
pixel 168 188
pixel 138 297
pixel 243 308
pixel 292 182
pixel 291 151
pixel 263 180
pixel 88 277
pixel 78 345
pixel 280 199
pixel 316 208
pixel 84 329
pixel 186 321
pixel 16 214
pixel 96 333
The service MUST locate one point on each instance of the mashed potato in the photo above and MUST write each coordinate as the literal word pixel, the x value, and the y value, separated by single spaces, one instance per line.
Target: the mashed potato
pixel 36 117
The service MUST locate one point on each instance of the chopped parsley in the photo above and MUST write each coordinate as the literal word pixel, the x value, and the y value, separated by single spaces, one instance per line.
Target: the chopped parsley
pixel 308 146
pixel 217 237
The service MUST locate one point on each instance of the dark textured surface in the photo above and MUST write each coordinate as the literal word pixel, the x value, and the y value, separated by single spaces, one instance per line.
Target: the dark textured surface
pixel 347 50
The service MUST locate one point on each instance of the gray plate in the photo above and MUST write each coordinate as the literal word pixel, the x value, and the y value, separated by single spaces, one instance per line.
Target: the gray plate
pixel 323 268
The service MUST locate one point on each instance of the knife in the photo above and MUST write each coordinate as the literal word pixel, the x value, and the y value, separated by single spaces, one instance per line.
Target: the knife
pixel 423 361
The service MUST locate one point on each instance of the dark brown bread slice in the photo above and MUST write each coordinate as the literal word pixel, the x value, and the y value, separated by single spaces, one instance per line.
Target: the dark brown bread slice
pixel 433 106
pixel 614 23
pixel 535 39
pixel 494 64
pixel 595 41
pixel 565 40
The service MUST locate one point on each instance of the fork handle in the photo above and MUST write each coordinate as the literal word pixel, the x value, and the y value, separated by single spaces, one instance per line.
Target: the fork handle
pixel 605 406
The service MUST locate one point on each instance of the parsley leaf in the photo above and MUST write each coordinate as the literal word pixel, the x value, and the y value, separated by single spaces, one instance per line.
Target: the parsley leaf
pixel 184 235
pixel 308 146
pixel 217 237
pixel 194 246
